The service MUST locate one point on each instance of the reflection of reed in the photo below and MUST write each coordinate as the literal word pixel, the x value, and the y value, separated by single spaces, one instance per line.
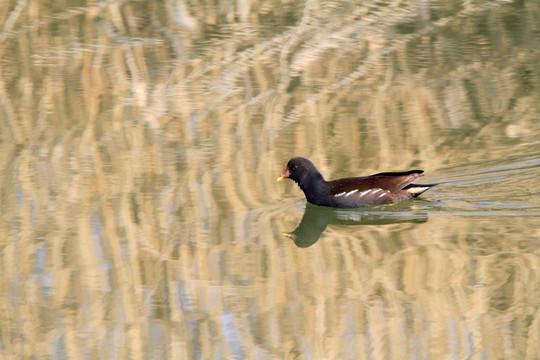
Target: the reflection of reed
pixel 139 159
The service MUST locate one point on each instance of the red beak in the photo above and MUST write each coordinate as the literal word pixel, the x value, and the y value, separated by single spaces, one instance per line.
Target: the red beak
pixel 285 174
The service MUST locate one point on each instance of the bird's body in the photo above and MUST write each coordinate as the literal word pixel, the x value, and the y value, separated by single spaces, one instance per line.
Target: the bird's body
pixel 353 192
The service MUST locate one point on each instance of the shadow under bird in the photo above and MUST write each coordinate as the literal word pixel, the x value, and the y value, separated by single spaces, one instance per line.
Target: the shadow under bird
pixel 353 192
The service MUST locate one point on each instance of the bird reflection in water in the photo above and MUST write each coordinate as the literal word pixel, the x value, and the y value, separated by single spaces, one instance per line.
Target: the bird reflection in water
pixel 317 218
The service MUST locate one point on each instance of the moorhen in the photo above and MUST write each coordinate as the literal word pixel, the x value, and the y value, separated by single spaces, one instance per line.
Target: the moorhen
pixel 354 192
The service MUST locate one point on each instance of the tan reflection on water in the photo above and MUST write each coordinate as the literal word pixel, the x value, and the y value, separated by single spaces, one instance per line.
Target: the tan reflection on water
pixel 140 142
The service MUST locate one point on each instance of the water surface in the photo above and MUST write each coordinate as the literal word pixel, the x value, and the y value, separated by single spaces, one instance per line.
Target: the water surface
pixel 140 146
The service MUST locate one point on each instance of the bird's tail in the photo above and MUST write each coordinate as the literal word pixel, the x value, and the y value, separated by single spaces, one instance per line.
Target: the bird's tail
pixel 417 189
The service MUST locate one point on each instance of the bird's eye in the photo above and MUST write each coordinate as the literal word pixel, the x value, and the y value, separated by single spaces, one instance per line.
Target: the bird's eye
pixel 295 167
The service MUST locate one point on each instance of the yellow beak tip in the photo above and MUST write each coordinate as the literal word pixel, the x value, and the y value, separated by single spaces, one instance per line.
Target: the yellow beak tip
pixel 280 178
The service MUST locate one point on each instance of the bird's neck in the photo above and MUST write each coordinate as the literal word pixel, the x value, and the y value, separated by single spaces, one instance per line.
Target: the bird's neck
pixel 313 187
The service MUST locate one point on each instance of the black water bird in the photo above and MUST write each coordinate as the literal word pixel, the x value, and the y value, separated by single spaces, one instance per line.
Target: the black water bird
pixel 353 192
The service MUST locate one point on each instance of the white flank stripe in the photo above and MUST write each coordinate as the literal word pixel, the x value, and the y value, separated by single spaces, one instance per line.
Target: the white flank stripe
pixel 340 194
pixel 376 191
pixel 350 193
pixel 380 196
pixel 364 193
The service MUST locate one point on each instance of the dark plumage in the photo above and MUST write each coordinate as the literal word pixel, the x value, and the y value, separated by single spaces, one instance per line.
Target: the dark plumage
pixel 378 189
